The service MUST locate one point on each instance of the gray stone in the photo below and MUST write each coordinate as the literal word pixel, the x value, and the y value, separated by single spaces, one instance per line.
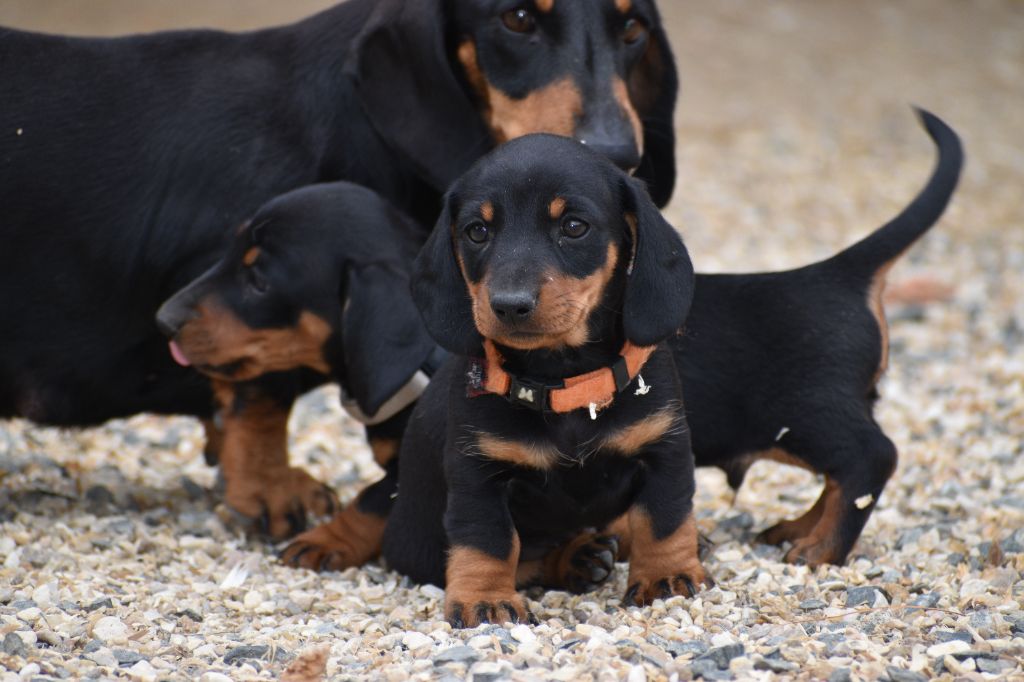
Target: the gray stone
pixel 776 665
pixel 812 604
pixel 104 603
pixel 994 667
pixel 941 636
pixel 691 648
pixel 901 675
pixel 93 646
pixel 721 655
pixel 705 668
pixel 22 604
pixel 929 600
pixel 241 653
pixel 457 654
pixel 14 645
pixel 127 658
pixel 855 596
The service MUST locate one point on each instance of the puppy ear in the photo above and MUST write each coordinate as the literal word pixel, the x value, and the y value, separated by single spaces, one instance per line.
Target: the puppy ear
pixel 659 286
pixel 411 95
pixel 384 342
pixel 440 291
pixel 653 85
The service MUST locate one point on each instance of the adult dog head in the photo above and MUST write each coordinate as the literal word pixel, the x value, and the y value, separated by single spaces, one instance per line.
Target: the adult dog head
pixel 443 80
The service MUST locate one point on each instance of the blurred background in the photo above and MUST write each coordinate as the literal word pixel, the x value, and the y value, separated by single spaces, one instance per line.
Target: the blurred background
pixel 794 132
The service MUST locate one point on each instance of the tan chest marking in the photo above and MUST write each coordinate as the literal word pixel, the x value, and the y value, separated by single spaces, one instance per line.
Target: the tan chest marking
pixel 632 439
pixel 527 455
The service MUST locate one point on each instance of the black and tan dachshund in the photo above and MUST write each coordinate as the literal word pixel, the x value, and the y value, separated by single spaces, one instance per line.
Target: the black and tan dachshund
pixel 318 279
pixel 126 163
pixel 777 365
pixel 555 282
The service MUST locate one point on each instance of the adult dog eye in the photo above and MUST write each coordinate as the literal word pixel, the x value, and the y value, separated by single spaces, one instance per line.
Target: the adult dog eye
pixel 633 31
pixel 519 20
pixel 574 228
pixel 478 233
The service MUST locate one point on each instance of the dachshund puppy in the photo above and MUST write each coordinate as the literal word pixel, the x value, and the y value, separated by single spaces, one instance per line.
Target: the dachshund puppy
pixel 555 282
pixel 316 281
pixel 785 366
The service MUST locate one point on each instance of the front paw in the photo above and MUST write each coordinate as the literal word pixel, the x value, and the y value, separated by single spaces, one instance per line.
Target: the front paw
pixel 277 503
pixel 585 563
pixel 349 539
pixel 643 589
pixel 470 611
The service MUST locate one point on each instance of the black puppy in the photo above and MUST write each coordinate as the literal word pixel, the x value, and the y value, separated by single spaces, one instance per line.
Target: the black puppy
pixel 785 366
pixel 123 169
pixel 555 281
pixel 318 279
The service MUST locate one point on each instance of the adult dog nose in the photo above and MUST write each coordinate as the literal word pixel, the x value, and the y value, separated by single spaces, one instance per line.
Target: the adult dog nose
pixel 513 307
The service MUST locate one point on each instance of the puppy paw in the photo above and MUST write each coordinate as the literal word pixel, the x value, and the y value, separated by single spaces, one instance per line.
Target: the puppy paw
pixel 351 538
pixel 583 564
pixel 783 531
pixel 644 590
pixel 277 503
pixel 468 613
pixel 812 552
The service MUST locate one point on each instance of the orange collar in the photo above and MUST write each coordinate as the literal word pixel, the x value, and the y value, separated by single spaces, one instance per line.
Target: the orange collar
pixel 595 390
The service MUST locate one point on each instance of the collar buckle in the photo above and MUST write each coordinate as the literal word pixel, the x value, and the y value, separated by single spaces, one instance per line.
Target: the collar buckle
pixel 530 394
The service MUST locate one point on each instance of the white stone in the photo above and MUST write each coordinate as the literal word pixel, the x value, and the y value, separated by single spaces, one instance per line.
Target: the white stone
pixel 103 657
pixel 110 629
pixel 523 633
pixel 414 641
pixel 143 671
pixel 30 615
pixel 953 646
pixel 215 677
pixel 637 674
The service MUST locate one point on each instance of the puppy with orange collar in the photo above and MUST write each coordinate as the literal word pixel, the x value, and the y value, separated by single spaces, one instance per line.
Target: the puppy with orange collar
pixel 555 282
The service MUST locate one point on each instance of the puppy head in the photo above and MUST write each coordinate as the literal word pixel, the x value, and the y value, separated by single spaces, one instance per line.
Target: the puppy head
pixel 600 71
pixel 546 244
pixel 317 280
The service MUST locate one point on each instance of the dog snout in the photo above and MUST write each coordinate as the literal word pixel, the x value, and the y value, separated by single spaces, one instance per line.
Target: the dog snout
pixel 171 317
pixel 513 307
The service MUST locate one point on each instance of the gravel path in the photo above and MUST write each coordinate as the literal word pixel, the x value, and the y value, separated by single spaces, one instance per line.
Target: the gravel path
pixel 794 140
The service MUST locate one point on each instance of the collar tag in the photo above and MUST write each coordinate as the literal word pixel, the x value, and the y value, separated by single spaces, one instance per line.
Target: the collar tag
pixel 476 378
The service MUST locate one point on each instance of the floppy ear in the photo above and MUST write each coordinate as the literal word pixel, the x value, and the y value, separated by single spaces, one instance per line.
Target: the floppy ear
pixel 384 341
pixel 440 291
pixel 410 94
pixel 659 286
pixel 653 86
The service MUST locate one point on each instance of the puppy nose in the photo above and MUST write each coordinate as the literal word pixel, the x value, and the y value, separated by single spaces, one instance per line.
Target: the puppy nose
pixel 625 156
pixel 169 319
pixel 513 306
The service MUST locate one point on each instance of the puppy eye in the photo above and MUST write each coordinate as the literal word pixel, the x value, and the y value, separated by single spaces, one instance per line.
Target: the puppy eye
pixel 519 20
pixel 633 31
pixel 478 233
pixel 574 228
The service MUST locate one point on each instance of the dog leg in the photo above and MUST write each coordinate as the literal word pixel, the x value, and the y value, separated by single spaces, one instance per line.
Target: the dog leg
pixel 660 567
pixel 259 483
pixel 481 588
pixel 829 530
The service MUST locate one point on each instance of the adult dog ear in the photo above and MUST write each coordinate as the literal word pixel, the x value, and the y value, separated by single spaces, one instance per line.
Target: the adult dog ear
pixel 653 85
pixel 659 287
pixel 411 95
pixel 440 291
pixel 384 342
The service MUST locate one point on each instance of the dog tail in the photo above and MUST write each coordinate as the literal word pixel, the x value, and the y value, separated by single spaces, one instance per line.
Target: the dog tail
pixel 889 241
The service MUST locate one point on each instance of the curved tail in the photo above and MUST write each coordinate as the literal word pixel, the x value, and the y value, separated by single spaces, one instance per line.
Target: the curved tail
pixel 889 241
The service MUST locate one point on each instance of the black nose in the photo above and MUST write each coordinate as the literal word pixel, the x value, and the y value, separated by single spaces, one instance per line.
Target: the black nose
pixel 167 322
pixel 625 156
pixel 513 306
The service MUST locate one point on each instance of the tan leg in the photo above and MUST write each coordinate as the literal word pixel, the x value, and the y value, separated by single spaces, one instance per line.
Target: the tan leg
pixel 660 568
pixel 481 588
pixel 254 460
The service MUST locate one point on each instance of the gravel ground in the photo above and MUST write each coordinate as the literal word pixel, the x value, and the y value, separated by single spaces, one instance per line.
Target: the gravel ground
pixel 117 561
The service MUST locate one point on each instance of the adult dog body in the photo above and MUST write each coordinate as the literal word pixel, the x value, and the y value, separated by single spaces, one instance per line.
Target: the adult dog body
pixel 125 162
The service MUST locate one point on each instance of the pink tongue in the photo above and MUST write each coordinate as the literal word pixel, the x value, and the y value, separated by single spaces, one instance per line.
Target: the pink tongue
pixel 178 356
